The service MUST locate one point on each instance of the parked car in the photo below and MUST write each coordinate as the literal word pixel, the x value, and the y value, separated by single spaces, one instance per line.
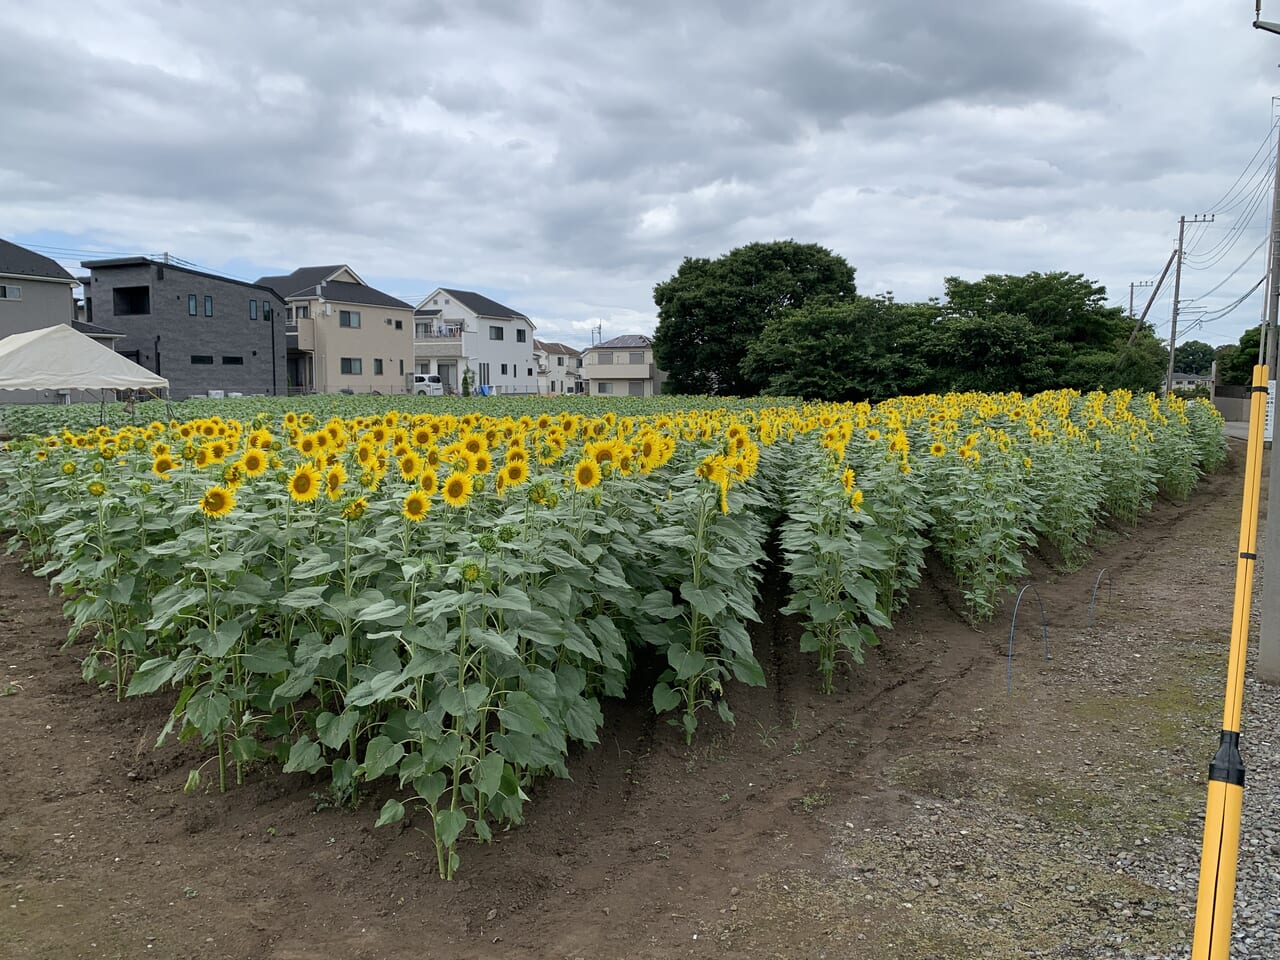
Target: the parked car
pixel 428 384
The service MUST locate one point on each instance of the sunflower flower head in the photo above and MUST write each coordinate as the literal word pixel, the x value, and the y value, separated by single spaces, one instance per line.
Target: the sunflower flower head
pixel 415 506
pixel 217 502
pixel 457 489
pixel 304 485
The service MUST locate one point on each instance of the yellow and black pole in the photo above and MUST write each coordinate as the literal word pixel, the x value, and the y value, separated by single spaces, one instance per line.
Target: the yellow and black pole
pixel 1226 771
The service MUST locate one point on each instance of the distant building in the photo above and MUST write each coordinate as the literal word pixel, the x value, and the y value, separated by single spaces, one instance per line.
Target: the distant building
pixel 35 292
pixel 203 332
pixel 458 330
pixel 559 367
pixel 1191 381
pixel 622 366
pixel 344 335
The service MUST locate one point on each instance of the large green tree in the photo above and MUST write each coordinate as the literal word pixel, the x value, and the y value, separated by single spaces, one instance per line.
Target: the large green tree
pixel 711 311
pixel 1237 369
pixel 1194 356
pixel 1083 341
pixel 864 348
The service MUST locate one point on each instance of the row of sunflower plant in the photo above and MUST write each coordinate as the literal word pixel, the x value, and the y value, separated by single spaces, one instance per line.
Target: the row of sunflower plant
pixel 443 599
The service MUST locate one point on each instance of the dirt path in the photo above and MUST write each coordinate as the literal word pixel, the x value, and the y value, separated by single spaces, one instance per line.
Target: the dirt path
pixel 920 811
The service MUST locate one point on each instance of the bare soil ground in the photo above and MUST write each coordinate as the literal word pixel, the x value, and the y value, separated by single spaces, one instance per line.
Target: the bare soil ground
pixel 919 811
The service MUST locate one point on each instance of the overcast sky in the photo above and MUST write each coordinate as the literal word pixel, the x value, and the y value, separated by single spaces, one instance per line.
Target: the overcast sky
pixel 565 156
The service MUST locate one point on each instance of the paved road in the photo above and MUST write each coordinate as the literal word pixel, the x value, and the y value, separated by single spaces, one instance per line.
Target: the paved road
pixel 1238 429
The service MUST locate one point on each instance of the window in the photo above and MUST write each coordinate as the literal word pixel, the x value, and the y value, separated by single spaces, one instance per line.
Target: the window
pixel 420 331
pixel 637 358
pixel 352 366
pixel 288 313
pixel 377 367
pixel 233 361
pixel 387 321
pixel 253 309
pixel 604 357
pixel 302 311
pixel 484 373
pixel 635 388
pixel 559 361
pixel 504 369
pixel 436 302
pixel 399 324
pixel 191 305
pixel 267 312
pixel 579 363
pixel 208 306
pixel 131 301
pixel 9 291
pixel 603 387
pixel 530 373
pixel 495 333
pixel 349 318
pixel 401 362
pixel 201 360
pixel 520 334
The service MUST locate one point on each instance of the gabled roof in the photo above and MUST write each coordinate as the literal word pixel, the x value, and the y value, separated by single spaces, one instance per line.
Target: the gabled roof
pixel 303 282
pixel 482 306
pixel 553 346
pixel 20 262
pixel 426 313
pixel 626 340
pixel 300 281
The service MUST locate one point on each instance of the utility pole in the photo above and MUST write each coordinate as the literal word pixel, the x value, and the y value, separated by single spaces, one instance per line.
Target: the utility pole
pixel 1133 336
pixel 1144 283
pixel 1268 663
pixel 1177 288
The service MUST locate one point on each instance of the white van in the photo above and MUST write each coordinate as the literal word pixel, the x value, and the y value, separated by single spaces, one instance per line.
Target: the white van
pixel 428 384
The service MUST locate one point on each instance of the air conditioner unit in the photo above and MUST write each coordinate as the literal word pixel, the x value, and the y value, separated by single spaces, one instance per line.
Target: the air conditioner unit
pixel 328 309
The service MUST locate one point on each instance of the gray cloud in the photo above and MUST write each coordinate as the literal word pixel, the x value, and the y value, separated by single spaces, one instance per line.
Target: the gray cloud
pixel 567 155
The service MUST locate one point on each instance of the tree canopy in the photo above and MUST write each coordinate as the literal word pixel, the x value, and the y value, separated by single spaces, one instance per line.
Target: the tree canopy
pixel 784 318
pixel 711 311
pixel 1193 356
pixel 1237 367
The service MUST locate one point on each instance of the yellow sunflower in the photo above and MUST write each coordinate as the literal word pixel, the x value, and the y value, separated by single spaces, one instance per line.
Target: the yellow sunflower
pixel 514 473
pixel 334 479
pixel 938 448
pixel 217 502
pixel 415 506
pixel 457 489
pixel 586 474
pixel 410 466
pixel 162 466
pixel 428 481
pixel 304 485
pixel 254 462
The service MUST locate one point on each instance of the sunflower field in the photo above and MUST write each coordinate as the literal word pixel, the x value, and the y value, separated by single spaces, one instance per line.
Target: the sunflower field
pixel 441 598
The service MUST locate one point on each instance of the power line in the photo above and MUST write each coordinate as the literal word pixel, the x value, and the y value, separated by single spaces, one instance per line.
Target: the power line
pixel 1218 286
pixel 1266 141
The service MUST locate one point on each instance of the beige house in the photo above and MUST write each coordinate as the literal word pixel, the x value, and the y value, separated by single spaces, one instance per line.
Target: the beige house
pixel 622 366
pixel 344 336
pixel 559 367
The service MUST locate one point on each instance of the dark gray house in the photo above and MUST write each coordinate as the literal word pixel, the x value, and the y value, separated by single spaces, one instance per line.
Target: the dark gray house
pixel 201 331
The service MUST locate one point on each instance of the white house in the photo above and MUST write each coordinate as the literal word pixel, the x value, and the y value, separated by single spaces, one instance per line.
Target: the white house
pixel 458 330
pixel 559 367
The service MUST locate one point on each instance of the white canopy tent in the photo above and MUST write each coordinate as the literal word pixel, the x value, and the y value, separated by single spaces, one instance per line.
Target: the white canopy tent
pixel 60 358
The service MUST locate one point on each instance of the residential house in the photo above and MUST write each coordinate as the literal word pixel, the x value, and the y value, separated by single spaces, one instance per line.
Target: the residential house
pixel 1192 381
pixel 344 335
pixel 206 334
pixel 559 367
pixel 622 366
pixel 458 330
pixel 35 292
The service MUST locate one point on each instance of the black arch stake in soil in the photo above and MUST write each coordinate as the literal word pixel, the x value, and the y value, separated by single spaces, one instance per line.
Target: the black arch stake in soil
pixel 1096 584
pixel 1044 632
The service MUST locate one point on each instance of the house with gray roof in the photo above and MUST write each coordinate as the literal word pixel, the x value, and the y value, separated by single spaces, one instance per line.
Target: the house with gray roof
pixel 559 367
pixel 35 292
pixel 344 336
pixel 456 331
pixel 623 366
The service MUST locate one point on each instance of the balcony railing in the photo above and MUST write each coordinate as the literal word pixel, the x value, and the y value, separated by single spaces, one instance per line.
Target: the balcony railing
pixel 432 332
